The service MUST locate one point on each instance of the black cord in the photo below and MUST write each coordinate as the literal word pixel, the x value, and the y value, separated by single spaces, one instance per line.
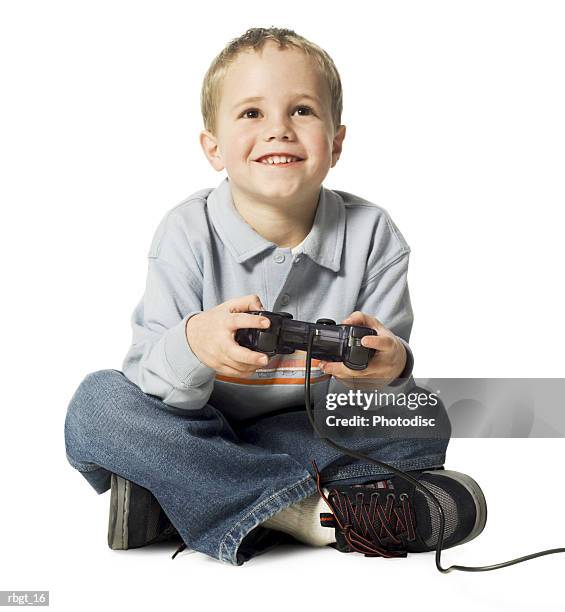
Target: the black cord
pixel 411 480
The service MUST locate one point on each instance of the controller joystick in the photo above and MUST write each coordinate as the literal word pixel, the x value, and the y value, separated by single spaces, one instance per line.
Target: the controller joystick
pixel 286 315
pixel 325 322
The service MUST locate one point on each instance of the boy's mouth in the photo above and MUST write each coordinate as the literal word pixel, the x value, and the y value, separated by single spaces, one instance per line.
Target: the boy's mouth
pixel 280 165
pixel 279 161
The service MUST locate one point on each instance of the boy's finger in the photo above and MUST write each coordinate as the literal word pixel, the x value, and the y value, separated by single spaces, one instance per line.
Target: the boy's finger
pixel 246 356
pixel 336 369
pixel 241 320
pixel 327 368
pixel 379 343
pixel 375 324
pixel 245 303
pixel 355 318
pixel 360 318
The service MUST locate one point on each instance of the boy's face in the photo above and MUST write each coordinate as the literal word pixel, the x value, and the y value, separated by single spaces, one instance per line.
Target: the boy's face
pixel 291 114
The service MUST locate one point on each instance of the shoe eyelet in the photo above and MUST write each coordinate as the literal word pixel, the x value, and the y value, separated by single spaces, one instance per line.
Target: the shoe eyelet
pixel 390 495
pixel 403 496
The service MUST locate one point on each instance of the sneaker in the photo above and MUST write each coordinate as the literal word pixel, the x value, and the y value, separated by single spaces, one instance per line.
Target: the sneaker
pixel 389 518
pixel 136 518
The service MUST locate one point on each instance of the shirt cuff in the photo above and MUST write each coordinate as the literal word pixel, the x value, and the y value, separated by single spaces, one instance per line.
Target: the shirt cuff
pixel 407 372
pixel 186 366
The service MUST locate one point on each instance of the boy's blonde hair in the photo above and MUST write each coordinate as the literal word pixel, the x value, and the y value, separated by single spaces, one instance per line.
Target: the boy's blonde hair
pixel 255 38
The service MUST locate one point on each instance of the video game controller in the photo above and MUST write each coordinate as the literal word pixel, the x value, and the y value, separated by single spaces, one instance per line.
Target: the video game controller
pixel 331 342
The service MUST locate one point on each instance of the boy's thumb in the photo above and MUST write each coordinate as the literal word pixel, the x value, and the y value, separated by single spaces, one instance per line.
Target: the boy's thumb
pixel 255 303
pixel 245 303
pixel 355 318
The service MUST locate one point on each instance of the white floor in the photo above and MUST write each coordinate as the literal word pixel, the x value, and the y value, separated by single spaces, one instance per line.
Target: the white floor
pixel 62 547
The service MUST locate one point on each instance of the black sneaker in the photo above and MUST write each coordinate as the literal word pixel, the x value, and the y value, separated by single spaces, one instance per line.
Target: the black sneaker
pixel 136 518
pixel 391 517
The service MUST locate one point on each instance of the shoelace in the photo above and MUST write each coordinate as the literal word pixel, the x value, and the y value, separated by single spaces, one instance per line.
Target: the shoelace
pixel 178 550
pixel 374 529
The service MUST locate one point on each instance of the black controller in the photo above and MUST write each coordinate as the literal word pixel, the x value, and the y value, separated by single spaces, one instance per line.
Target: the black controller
pixel 330 342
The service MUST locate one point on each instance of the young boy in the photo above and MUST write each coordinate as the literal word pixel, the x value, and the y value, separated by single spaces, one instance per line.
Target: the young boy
pixel 205 437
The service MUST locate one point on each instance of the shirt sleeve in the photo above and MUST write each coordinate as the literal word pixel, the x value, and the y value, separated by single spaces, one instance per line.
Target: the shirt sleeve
pixel 385 296
pixel 160 361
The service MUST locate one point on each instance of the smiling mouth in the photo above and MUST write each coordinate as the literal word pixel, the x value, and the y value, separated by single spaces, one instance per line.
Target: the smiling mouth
pixel 280 165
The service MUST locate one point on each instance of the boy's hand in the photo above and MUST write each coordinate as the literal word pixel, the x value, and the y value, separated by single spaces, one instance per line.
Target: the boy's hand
pixel 387 363
pixel 211 336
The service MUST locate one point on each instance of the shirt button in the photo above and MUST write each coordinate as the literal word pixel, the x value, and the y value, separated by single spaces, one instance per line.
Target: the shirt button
pixel 279 258
pixel 285 299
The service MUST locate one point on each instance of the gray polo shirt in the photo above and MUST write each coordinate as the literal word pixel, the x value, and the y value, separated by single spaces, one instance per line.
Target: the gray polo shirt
pixel 204 253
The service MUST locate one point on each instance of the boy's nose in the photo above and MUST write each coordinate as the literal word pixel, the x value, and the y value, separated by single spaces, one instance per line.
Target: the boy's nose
pixel 279 129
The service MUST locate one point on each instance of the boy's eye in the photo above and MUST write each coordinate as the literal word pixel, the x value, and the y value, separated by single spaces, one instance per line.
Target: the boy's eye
pixel 254 112
pixel 250 110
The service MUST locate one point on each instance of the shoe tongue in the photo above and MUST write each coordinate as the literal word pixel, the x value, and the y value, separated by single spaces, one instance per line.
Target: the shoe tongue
pixel 379 485
pixel 420 507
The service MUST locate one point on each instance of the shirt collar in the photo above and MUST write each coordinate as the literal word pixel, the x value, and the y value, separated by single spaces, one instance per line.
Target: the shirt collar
pixel 323 244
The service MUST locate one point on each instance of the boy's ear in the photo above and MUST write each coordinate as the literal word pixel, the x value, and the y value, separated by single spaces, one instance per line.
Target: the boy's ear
pixel 210 147
pixel 337 144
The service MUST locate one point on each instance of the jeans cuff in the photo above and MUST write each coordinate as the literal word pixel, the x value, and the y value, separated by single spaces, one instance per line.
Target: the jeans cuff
pixel 292 494
pixel 97 477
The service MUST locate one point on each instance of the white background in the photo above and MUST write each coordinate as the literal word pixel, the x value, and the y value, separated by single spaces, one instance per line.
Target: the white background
pixel 455 125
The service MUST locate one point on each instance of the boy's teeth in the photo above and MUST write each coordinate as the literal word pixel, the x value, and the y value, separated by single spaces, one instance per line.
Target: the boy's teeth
pixel 277 159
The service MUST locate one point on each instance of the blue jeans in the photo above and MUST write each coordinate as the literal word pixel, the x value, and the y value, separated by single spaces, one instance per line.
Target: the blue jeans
pixel 216 481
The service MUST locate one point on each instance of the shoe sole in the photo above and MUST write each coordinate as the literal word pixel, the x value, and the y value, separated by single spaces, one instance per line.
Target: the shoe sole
pixel 119 513
pixel 120 491
pixel 478 497
pixel 136 518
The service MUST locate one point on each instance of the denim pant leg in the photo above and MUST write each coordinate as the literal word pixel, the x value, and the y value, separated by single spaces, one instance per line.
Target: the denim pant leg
pixel 290 432
pixel 215 489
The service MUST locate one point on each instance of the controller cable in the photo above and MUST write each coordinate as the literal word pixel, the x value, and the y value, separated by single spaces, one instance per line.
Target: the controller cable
pixel 406 477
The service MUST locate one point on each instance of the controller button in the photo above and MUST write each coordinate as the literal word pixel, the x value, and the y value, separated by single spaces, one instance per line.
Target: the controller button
pixel 325 322
pixel 279 258
pixel 285 299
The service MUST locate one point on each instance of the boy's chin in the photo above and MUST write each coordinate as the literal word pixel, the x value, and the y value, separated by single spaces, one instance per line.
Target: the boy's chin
pixel 275 195
pixel 295 200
